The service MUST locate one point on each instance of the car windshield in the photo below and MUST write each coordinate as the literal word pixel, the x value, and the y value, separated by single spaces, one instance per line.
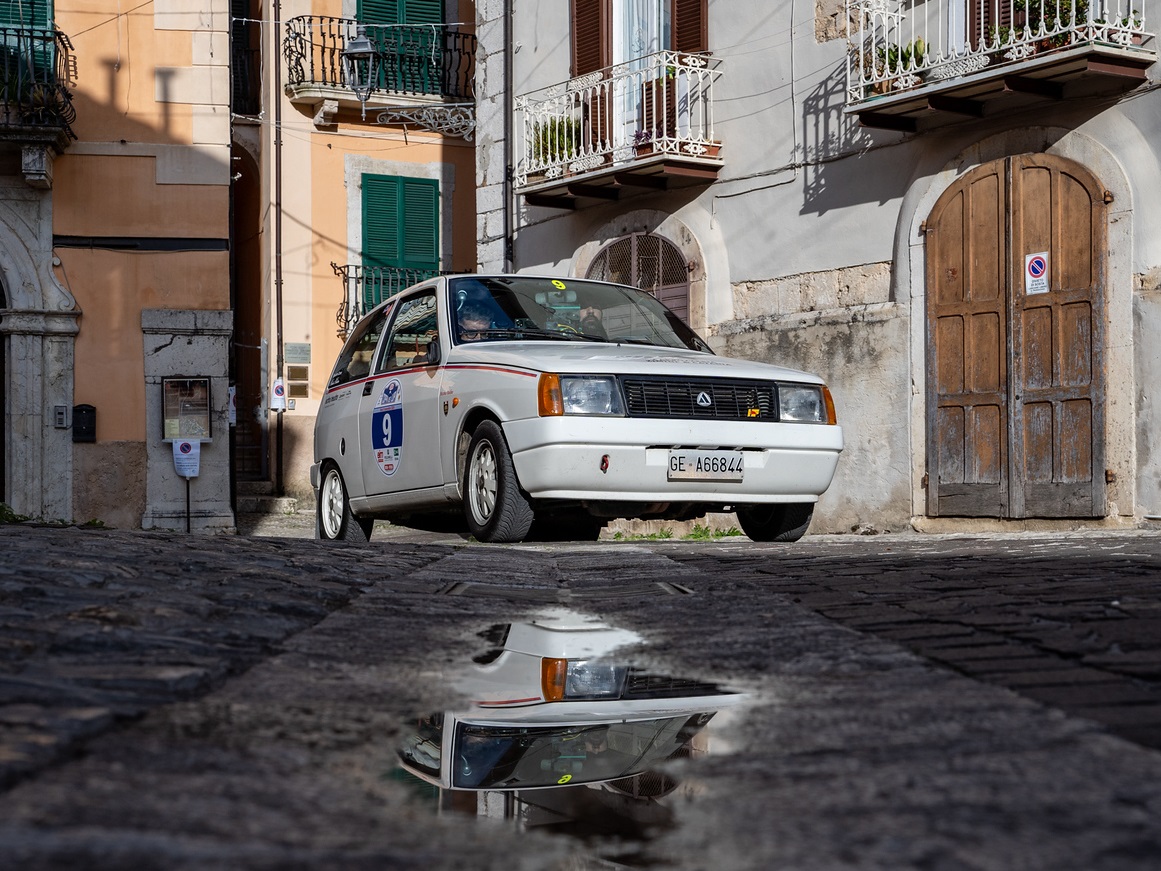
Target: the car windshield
pixel 562 309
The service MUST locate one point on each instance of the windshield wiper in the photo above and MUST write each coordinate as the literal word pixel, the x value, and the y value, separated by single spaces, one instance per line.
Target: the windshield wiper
pixel 534 333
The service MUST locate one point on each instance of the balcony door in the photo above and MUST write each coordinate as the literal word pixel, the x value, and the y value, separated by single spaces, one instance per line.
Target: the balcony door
pixel 625 32
pixel 409 35
pixel 1015 306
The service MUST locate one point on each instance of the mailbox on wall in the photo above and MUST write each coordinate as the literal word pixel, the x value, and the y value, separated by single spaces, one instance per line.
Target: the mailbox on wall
pixel 185 409
pixel 84 423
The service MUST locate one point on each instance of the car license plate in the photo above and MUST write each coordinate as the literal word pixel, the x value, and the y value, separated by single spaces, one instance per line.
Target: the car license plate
pixel 705 465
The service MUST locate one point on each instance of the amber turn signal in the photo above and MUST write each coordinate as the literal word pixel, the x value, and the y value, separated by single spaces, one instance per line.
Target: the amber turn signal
pixel 831 417
pixel 549 399
pixel 553 673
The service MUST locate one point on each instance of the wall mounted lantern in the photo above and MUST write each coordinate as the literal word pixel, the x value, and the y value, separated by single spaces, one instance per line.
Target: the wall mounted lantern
pixel 361 66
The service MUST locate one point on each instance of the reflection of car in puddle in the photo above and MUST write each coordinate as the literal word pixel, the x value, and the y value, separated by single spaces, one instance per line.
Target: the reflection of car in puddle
pixel 550 709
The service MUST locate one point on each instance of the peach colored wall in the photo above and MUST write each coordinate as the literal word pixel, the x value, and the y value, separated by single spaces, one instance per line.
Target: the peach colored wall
pixel 111 289
pixel 329 218
pixel 117 50
pixel 117 196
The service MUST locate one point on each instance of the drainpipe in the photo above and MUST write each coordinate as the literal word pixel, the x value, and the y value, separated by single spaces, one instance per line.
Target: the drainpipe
pixel 279 358
pixel 509 168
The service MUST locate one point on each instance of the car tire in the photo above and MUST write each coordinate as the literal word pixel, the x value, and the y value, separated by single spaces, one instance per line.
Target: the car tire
pixel 333 518
pixel 495 507
pixel 778 522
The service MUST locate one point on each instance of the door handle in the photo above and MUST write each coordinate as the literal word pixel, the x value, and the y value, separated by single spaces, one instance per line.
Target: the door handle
pixel 367 387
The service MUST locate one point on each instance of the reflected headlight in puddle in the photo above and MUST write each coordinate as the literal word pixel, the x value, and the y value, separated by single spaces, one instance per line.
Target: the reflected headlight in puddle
pixel 565 679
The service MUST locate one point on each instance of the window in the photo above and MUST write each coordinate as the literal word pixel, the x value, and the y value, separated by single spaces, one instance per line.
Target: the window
pixel 605 32
pixel 649 262
pixel 355 360
pixel 412 335
pixel 400 232
pixel 411 48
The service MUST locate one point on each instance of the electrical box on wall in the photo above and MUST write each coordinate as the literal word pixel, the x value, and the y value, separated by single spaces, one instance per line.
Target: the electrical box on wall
pixel 84 423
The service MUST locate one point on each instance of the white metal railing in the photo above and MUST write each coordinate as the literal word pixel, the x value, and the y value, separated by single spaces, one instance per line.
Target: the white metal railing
pixel 898 44
pixel 659 104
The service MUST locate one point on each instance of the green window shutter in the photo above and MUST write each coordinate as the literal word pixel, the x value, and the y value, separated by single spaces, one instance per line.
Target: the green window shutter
pixel 400 233
pixel 422 11
pixel 26 13
pixel 379 11
pixel 420 206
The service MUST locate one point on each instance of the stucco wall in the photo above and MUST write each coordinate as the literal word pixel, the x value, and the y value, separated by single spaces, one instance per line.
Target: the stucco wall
pixel 862 354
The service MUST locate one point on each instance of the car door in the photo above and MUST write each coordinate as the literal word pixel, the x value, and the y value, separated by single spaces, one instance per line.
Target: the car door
pixel 337 427
pixel 399 404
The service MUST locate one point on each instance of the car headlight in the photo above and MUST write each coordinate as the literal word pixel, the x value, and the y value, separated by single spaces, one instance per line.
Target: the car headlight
pixel 805 403
pixel 579 394
pixel 569 679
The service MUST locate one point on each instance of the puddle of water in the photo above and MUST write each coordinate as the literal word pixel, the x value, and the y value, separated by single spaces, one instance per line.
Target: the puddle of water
pixel 563 734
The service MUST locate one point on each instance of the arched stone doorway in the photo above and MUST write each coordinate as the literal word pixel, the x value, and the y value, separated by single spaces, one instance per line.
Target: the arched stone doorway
pixel 647 261
pixel 1016 283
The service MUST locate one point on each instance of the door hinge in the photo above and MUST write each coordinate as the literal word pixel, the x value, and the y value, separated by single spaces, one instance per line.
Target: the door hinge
pixel 923 481
pixel 1110 476
pixel 1108 197
pixel 923 228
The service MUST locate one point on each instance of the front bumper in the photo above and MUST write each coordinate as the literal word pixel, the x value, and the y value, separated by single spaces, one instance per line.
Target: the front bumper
pixel 562 458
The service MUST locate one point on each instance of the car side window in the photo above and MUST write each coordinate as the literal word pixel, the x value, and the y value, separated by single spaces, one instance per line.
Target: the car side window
pixel 412 334
pixel 355 360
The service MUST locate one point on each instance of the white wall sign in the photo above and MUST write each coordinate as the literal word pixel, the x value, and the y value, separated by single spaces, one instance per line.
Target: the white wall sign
pixel 278 396
pixel 187 457
pixel 1036 273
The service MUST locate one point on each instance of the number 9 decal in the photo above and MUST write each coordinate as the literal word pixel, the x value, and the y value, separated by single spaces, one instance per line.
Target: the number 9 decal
pixel 558 284
pixel 564 778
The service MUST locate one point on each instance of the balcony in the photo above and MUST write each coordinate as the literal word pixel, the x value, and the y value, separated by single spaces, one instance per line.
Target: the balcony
pixel 912 66
pixel 36 72
pixel 364 287
pixel 638 126
pixel 420 66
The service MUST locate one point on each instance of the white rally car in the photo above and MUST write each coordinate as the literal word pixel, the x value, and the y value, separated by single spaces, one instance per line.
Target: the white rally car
pixel 542 407
pixel 555 704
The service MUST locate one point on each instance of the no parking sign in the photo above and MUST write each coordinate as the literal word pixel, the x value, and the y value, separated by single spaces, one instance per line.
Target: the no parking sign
pixel 1036 273
pixel 187 455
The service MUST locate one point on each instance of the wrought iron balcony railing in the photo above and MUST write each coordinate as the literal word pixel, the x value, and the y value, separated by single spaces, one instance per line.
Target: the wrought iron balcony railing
pixel 413 59
pixel 897 45
pixel 367 286
pixel 36 72
pixel 661 104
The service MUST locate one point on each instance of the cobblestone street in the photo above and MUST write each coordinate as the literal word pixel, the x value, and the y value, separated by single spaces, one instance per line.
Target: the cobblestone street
pixel 940 702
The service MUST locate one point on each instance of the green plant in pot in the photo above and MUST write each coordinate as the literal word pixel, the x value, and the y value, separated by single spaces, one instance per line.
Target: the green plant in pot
pixel 555 140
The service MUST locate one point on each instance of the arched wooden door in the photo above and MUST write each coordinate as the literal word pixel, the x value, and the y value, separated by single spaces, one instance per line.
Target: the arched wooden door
pixel 1015 305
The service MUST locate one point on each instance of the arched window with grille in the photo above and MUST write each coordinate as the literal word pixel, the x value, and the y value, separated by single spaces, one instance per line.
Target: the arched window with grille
pixel 649 262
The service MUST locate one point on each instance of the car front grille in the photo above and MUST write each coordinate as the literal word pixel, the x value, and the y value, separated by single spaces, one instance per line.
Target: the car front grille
pixel 712 400
pixel 642 685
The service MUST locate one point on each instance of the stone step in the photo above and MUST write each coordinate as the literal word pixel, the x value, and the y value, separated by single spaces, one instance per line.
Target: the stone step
pixel 266 504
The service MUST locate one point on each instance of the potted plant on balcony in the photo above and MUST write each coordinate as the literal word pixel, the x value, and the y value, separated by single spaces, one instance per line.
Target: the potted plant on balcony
pixel 555 141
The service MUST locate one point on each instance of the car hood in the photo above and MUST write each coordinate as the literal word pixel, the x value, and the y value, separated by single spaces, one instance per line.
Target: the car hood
pixel 610 358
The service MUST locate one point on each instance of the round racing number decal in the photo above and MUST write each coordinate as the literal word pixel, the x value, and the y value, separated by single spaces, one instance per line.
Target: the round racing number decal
pixel 558 284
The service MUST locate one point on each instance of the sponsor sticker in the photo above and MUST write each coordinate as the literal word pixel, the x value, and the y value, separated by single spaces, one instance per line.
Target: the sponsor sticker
pixel 387 428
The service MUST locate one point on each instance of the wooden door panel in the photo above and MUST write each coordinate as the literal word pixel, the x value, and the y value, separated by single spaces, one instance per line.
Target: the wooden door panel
pixel 1057 418
pixel 1014 388
pixel 986 433
pixel 967 362
pixel 1076 330
pixel 986 353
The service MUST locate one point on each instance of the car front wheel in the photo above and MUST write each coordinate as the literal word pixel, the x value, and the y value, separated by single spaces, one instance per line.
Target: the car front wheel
pixel 779 522
pixel 335 520
pixel 495 508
